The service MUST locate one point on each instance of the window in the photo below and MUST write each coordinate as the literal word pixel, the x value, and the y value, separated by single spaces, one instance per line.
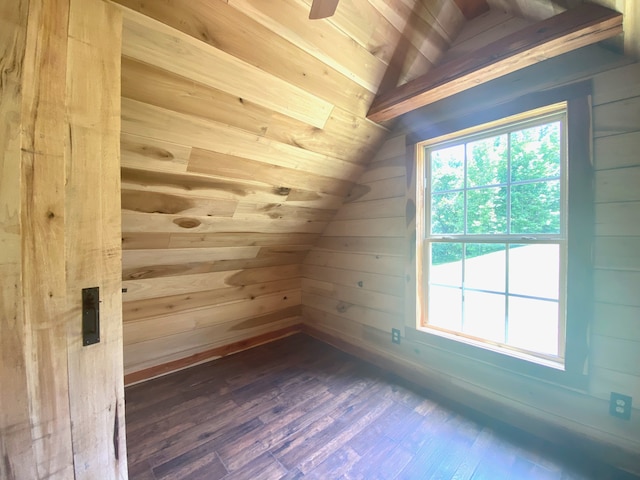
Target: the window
pixel 496 234
pixel 504 228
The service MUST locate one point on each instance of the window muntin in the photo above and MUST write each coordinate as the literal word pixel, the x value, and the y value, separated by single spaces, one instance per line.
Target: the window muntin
pixel 495 235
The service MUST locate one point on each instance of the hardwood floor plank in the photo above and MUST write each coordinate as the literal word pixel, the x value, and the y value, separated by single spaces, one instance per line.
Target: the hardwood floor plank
pixel 335 466
pixel 383 460
pixel 297 408
pixel 174 436
pixel 469 463
pixel 201 458
pixel 347 428
pixel 141 471
pixel 242 452
pixel 264 467
pixel 204 433
pixel 433 448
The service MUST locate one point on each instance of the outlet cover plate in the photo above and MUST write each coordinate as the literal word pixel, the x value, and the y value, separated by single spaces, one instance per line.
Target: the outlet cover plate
pixel 395 336
pixel 620 406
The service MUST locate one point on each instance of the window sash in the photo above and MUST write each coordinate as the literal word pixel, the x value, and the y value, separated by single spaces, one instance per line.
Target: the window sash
pixel 507 293
pixel 505 127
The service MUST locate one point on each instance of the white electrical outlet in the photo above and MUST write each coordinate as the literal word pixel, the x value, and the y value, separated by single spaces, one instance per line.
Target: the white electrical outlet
pixel 620 405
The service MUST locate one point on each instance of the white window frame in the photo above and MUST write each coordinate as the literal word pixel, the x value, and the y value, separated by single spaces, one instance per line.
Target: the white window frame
pixel 535 117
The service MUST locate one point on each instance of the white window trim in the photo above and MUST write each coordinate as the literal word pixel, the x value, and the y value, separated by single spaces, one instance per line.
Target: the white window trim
pixel 527 119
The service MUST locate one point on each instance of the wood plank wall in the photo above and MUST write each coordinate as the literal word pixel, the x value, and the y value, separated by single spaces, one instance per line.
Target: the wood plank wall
pixel 61 404
pixel 243 128
pixel 353 286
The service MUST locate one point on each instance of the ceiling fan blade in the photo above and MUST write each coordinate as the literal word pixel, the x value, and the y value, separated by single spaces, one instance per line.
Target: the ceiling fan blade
pixel 322 9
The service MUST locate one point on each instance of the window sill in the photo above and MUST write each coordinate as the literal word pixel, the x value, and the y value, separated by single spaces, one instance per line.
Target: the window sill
pixel 511 361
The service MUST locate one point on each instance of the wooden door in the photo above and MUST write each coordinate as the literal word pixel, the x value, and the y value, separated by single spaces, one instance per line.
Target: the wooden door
pixel 61 404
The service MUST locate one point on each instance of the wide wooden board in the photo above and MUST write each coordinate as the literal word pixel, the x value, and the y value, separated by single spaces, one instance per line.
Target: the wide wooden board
pixel 155 43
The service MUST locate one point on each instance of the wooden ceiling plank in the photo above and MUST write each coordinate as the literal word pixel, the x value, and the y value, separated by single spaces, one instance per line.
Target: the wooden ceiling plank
pixel 412 66
pixel 362 22
pixel 149 121
pixel 242 169
pixel 562 33
pixel 160 223
pixel 441 16
pixel 535 9
pixel 506 24
pixel 153 154
pixel 155 43
pixel 288 18
pixel 424 34
pixel 188 240
pixel 218 24
pixel 345 135
pixel 472 8
pixel 447 14
pixel 188 187
pixel 192 188
pixel 365 24
pixel 157 202
pixel 281 211
pixel 156 86
pixel 479 25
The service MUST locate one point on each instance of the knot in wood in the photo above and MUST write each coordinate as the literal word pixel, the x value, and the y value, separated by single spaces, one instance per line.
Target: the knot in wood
pixel 342 307
pixel 187 222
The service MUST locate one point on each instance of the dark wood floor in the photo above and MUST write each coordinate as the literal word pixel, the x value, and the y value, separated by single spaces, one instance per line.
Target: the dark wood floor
pixel 297 408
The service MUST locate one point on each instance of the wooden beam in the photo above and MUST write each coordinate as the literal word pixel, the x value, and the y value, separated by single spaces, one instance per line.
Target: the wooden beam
pixel 587 24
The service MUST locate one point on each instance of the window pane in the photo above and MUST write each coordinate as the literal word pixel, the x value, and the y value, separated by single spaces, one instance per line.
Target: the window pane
pixel 533 325
pixel 484 267
pixel 534 270
pixel 447 213
pixel 447 169
pixel 484 315
pixel 487 210
pixel 487 161
pixel 535 207
pixel 535 152
pixel 446 264
pixel 445 307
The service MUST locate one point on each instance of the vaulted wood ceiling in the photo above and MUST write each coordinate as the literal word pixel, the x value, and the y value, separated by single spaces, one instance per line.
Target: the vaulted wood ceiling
pixel 243 130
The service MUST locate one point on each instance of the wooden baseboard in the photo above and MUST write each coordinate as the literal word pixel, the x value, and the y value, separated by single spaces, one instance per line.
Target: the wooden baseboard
pixel 212 354
pixel 482 408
